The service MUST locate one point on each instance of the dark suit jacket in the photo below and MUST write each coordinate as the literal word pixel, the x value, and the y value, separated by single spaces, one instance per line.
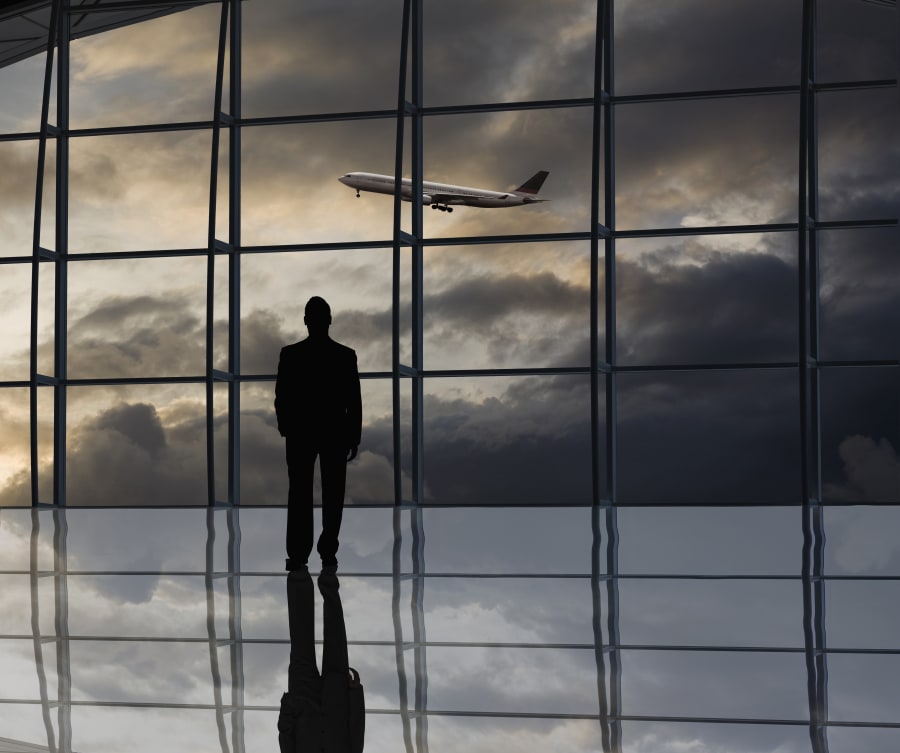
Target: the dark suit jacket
pixel 317 395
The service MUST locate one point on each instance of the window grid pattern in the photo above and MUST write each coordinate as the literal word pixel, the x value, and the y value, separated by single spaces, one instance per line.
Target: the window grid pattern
pixel 603 369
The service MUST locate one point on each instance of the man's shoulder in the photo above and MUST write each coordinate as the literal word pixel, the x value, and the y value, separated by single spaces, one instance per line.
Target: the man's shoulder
pixel 332 348
pixel 344 350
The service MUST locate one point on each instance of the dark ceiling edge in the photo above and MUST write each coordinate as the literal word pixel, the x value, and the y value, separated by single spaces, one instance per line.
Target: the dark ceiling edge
pixel 11 9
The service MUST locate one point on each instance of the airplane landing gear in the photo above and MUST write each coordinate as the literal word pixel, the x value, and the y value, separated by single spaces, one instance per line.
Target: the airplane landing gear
pixel 357 193
pixel 442 207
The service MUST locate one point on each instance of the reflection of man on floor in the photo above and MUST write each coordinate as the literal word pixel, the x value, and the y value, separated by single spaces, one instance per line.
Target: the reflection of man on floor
pixel 319 712
pixel 319 412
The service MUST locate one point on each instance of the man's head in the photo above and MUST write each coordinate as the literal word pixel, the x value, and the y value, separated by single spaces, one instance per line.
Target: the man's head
pixel 317 316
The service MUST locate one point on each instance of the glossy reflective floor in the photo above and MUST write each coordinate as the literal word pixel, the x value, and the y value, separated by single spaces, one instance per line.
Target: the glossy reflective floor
pixel 478 629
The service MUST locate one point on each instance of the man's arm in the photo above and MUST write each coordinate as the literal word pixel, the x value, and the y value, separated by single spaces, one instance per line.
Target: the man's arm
pixel 281 393
pixel 354 409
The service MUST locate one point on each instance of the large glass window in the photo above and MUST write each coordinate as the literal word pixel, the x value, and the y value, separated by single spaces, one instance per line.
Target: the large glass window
pixel 627 333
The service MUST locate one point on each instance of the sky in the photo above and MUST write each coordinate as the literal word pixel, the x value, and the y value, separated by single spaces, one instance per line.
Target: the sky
pixel 685 438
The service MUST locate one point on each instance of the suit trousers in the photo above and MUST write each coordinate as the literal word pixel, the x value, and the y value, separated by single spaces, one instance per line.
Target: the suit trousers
pixel 301 461
pixel 303 675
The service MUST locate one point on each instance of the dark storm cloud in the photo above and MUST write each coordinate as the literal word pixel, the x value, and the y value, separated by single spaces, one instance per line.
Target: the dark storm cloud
pixel 860 301
pixel 732 308
pixel 859 155
pixel 320 56
pixel 699 45
pixel 329 57
pixel 505 51
pixel 126 457
pixel 484 300
pixel 724 310
pixel 726 161
pixel 142 335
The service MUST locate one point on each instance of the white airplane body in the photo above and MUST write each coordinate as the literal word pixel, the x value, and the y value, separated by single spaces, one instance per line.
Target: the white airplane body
pixel 444 196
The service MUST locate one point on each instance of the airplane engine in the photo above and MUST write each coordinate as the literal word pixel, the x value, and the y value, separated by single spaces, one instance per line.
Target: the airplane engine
pixel 426 199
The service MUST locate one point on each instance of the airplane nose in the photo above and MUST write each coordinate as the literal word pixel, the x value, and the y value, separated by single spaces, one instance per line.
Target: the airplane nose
pixel 344 178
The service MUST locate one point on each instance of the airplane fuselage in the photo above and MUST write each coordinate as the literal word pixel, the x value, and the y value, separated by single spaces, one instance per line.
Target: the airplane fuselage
pixel 439 195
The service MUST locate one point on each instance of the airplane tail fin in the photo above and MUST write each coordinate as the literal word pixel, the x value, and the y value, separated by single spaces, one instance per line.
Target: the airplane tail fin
pixel 534 183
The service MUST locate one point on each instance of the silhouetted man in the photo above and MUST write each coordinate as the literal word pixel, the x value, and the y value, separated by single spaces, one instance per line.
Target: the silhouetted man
pixel 319 412
pixel 319 712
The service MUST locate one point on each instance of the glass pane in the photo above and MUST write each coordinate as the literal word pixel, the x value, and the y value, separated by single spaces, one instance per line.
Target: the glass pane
pixel 49 181
pixel 18 168
pixel 221 314
pixel 707 299
pixel 15 619
pixel 863 688
pixel 46 304
pixel 22 85
pixel 721 684
pixel 142 445
pixel 862 740
pixel 286 45
pixel 520 680
pixel 522 540
pixel 221 432
pixel 276 287
pixel 665 46
pixel 24 722
pixel 734 613
pixel 709 540
pixel 517 733
pixel 508 50
pixel 291 192
pixel 498 440
pixel 860 303
pixel 644 735
pixel 508 610
pixel 859 157
pixel 146 729
pixel 408 492
pixel 507 306
pixel 861 540
pixel 15 533
pixel 406 310
pixel 141 672
pixel 860 434
pixel 137 318
pixel 263 468
pixel 706 162
pixel 15 449
pixel 138 540
pixel 856 40
pixel 692 437
pixel 139 191
pixel 519 144
pixel 46 420
pixel 154 71
pixel 138 606
pixel 863 614
pixel 15 321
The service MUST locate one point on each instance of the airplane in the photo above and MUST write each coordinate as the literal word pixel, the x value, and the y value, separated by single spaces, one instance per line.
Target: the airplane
pixel 442 195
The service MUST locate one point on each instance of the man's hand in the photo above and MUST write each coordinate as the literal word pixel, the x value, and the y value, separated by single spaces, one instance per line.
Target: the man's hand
pixel 351 453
